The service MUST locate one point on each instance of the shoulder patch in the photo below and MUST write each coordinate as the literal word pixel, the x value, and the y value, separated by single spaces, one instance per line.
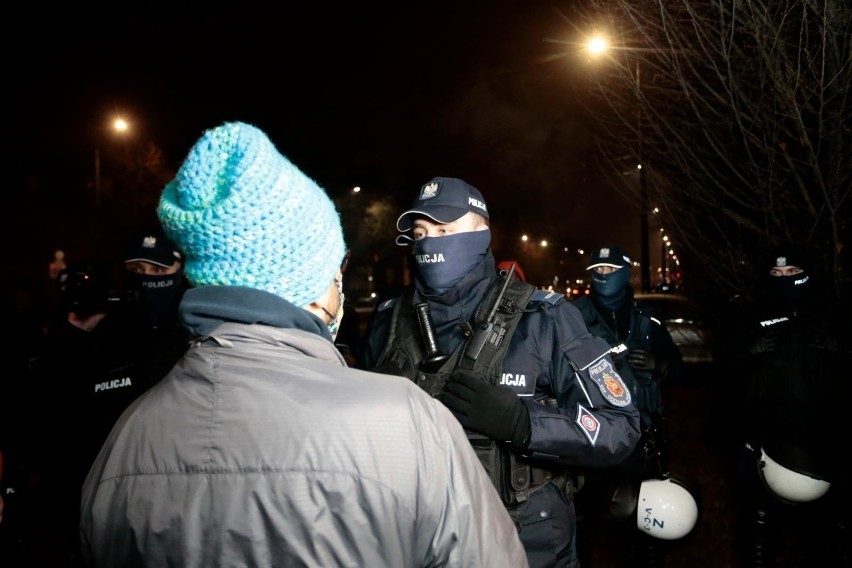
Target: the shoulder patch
pixel 610 384
pixel 547 297
pixel 590 425
pixel 387 304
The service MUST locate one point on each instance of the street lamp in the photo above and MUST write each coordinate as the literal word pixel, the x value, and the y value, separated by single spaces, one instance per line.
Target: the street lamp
pixel 597 46
pixel 119 126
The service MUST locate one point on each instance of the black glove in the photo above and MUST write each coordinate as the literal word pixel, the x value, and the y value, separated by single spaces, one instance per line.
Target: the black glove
pixel 641 360
pixel 823 341
pixel 492 410
pixel 766 343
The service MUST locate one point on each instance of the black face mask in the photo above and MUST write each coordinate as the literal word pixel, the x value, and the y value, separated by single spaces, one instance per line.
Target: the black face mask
pixel 792 291
pixel 158 296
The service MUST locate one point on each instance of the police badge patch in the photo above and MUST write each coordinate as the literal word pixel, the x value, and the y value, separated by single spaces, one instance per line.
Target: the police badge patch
pixel 610 383
pixel 590 425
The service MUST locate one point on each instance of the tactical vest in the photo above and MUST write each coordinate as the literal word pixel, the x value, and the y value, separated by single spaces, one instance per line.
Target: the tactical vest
pixel 510 473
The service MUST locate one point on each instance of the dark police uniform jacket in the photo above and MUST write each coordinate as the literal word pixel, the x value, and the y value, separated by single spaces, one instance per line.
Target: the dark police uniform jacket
pixel 633 326
pixel 581 413
pixel 787 390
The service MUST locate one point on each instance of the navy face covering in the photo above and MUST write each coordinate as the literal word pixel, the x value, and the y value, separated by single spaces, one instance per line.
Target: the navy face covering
pixel 790 290
pixel 443 261
pixel 611 288
pixel 157 294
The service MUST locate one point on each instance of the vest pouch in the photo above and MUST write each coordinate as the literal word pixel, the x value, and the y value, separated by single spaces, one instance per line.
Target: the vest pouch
pixel 496 459
pixel 432 383
pixel 396 363
pixel 648 398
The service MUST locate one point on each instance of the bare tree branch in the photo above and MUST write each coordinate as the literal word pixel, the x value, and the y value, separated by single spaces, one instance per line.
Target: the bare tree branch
pixel 740 113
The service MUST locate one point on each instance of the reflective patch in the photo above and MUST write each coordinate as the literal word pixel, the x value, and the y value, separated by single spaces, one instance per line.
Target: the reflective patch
pixel 522 382
pixel 610 383
pixel 590 425
pixel 546 296
pixel 767 323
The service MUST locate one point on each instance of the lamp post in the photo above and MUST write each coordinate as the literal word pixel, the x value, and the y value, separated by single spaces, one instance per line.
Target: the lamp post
pixel 597 46
pixel 120 126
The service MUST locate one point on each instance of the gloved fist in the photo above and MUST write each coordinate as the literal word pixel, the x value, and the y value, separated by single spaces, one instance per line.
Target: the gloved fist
pixel 492 410
pixel 641 360
pixel 822 340
pixel 766 343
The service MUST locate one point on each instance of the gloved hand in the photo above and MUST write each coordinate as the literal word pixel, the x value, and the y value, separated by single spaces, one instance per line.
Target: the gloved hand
pixel 641 360
pixel 822 340
pixel 766 343
pixel 492 410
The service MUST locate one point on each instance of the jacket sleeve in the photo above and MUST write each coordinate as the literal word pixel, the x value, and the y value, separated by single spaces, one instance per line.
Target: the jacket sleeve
pixel 664 349
pixel 463 521
pixel 588 418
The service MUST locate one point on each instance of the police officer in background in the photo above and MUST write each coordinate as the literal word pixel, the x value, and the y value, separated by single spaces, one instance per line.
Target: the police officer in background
pixel 114 343
pixel 790 356
pixel 108 346
pixel 551 403
pixel 645 355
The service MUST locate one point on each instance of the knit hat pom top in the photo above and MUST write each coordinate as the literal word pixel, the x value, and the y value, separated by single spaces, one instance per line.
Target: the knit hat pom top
pixel 244 215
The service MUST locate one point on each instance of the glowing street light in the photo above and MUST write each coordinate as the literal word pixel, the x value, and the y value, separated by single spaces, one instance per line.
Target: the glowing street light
pixel 120 126
pixel 597 45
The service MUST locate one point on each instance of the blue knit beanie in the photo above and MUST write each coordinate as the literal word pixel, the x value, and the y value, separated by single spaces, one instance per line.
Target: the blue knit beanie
pixel 243 215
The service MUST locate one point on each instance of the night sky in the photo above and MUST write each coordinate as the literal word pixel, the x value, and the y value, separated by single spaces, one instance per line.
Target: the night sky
pixel 384 95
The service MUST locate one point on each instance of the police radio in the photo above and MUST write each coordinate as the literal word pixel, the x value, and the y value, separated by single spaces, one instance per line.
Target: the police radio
pixel 487 330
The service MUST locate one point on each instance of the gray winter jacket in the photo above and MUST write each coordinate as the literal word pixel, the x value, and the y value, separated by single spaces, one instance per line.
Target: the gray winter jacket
pixel 261 448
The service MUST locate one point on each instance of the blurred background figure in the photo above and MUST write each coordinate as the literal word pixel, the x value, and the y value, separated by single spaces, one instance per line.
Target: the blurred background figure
pixel 506 265
pixel 111 339
pixel 788 357
pixel 57 265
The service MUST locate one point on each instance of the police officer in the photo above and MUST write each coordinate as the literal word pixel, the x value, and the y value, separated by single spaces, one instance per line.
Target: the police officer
pixel 113 343
pixel 644 354
pixel 793 350
pixel 642 348
pixel 110 344
pixel 556 402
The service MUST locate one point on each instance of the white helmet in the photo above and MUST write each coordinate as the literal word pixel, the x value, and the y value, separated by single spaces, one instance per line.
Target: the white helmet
pixel 666 509
pixel 789 485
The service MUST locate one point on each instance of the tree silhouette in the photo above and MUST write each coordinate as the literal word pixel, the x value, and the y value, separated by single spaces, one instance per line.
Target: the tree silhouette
pixel 739 111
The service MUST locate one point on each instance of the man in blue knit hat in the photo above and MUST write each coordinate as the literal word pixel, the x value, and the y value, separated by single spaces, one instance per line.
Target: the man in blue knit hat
pixel 261 447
